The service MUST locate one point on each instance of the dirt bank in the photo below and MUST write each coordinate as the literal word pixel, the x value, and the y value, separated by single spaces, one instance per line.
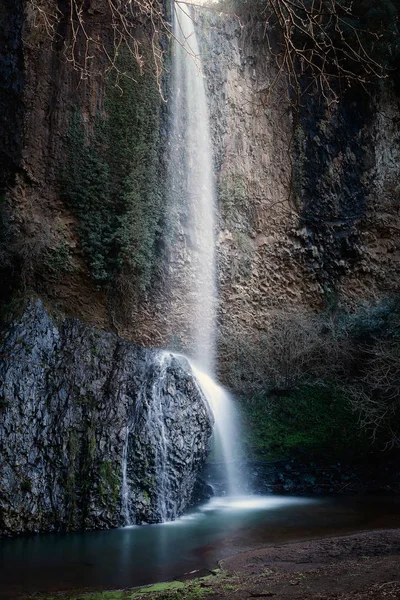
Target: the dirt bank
pixel 359 566
pixel 362 566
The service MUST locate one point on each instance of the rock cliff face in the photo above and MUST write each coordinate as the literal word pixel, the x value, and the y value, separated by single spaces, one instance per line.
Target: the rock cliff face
pixel 308 200
pixel 309 214
pixel 94 432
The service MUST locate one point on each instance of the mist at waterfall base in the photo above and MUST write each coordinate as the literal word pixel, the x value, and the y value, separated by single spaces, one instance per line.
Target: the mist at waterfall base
pixel 140 555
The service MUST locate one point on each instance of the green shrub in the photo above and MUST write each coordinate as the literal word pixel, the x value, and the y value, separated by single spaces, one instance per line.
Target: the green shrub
pixel 112 179
pixel 313 418
pixel 320 382
pixel 58 259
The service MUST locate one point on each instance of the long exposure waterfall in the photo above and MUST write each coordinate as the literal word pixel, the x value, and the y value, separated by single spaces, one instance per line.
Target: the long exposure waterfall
pixel 165 441
pixel 192 185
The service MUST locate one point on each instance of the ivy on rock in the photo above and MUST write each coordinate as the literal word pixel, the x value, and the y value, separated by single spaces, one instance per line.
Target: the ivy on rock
pixel 112 179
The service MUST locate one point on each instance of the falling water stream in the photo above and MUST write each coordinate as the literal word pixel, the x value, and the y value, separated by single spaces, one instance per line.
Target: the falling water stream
pixel 192 185
pixel 135 556
pixel 191 199
pixel 226 428
pixel 191 179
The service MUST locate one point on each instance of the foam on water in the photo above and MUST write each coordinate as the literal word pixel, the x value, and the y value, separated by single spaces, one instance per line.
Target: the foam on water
pixel 249 503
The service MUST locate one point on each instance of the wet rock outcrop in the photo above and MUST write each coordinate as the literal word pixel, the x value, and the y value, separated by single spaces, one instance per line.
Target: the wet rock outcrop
pixel 76 405
pixel 166 444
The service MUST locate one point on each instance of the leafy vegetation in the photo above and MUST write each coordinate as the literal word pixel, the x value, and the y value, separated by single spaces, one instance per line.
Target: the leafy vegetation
pixel 111 179
pixel 310 419
pixel 58 259
pixel 328 382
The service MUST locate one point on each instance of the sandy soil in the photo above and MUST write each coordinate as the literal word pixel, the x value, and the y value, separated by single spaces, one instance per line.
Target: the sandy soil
pixel 357 567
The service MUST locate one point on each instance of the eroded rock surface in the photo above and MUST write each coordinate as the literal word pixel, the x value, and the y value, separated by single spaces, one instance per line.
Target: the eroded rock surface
pixel 69 397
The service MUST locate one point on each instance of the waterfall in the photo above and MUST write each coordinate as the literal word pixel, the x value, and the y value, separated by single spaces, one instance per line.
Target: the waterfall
pixel 148 420
pixel 226 429
pixel 192 186
pixel 165 442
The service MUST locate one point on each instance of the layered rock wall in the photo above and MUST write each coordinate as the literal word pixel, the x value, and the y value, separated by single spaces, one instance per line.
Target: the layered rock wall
pixel 308 211
pixel 308 208
pixel 300 188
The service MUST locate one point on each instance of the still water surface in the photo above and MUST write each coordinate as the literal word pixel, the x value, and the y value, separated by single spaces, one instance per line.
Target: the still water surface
pixel 139 555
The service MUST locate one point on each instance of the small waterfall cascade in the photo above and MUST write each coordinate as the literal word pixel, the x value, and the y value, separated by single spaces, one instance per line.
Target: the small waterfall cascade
pixel 192 184
pixel 165 442
pixel 226 427
pixel 148 419
pixel 125 486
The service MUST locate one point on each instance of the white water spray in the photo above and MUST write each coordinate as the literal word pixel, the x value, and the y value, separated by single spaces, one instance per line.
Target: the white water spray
pixel 191 183
pixel 125 492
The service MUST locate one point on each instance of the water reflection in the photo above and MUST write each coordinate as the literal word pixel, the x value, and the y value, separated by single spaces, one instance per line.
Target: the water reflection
pixel 138 555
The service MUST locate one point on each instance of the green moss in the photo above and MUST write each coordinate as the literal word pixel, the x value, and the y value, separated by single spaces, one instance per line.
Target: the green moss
pixel 73 446
pixel 91 444
pixel 172 590
pixel 58 259
pixel 110 482
pixel 87 400
pixel 163 587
